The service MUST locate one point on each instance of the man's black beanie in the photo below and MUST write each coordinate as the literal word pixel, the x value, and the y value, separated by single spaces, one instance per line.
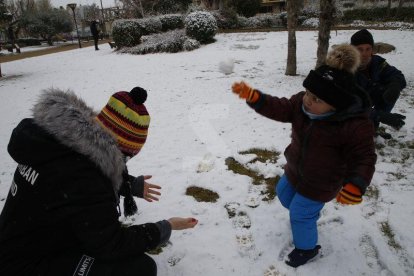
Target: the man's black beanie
pixel 362 37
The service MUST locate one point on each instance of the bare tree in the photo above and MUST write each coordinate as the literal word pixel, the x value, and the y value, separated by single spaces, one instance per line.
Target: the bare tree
pixel 326 21
pixel 389 8
pixel 400 5
pixel 293 8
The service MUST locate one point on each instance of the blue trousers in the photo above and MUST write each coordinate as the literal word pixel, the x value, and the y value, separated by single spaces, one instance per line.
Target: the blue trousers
pixel 303 212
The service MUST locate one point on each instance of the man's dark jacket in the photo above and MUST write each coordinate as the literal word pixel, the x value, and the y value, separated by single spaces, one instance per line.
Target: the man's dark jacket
pixel 380 78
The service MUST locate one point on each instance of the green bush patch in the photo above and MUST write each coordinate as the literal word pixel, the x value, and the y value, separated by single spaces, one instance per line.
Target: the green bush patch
pixel 389 234
pixel 264 156
pixel 202 194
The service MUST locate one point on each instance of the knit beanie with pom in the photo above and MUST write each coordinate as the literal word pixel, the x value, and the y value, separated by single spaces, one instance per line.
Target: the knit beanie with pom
pixel 334 81
pixel 126 118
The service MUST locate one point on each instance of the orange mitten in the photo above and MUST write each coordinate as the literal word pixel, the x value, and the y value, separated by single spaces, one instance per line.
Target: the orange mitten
pixel 245 91
pixel 350 194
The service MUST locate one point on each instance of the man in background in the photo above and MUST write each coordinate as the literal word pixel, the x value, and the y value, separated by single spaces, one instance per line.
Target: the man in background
pixel 95 33
pixel 382 81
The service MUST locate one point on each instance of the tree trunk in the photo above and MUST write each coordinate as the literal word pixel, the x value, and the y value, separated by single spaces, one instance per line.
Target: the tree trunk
pixel 400 5
pixel 389 8
pixel 326 21
pixel 141 8
pixel 293 8
pixel 221 4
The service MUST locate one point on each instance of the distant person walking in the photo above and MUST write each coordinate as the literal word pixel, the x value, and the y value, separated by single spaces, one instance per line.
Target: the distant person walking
pixel 95 33
pixel 10 34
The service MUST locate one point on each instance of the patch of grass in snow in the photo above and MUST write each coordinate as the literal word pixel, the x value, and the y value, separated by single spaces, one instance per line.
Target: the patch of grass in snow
pixel 372 192
pixel 263 156
pixel 155 251
pixel 202 194
pixel 238 168
pixel 410 144
pixel 397 175
pixel 270 191
pixel 389 234
pixel 159 249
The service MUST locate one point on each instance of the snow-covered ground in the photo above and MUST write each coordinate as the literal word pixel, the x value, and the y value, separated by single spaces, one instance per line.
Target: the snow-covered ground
pixel 197 123
pixel 38 47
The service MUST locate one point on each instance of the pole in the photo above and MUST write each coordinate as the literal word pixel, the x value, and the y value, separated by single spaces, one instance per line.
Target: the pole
pixel 103 21
pixel 73 6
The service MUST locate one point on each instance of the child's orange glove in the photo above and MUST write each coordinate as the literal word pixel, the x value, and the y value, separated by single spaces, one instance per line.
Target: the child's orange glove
pixel 245 91
pixel 350 194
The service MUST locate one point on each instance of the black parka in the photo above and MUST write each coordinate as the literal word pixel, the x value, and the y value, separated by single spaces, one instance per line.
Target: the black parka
pixel 64 195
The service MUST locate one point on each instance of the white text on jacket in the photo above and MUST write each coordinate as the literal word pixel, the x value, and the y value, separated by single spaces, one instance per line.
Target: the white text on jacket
pixel 28 173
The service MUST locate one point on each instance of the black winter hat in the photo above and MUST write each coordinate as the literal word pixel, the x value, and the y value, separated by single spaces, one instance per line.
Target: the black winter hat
pixel 138 94
pixel 362 37
pixel 334 81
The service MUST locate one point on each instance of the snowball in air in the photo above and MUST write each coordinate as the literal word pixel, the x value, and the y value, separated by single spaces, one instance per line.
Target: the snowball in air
pixel 226 66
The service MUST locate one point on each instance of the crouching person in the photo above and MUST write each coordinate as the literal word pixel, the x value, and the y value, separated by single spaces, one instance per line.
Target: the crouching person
pixel 61 214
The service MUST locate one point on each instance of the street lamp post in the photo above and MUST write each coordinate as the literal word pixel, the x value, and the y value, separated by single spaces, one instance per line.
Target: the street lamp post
pixel 103 20
pixel 72 6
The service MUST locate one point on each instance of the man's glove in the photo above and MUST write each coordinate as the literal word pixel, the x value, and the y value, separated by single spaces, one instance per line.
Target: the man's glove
pixel 245 91
pixel 350 194
pixel 394 120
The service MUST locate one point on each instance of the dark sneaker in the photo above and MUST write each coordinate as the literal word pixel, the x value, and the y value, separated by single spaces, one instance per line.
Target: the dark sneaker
pixel 300 257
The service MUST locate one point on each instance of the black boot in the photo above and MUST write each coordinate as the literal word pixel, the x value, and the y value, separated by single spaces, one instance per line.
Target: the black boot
pixel 300 257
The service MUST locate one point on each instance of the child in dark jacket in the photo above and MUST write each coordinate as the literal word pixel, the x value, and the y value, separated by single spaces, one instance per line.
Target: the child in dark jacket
pixel 331 153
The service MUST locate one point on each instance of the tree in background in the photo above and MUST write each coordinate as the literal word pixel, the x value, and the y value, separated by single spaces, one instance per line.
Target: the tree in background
pixel 5 18
pixel 171 6
pixel 326 21
pixel 293 8
pixel 47 23
pixel 400 5
pixel 247 8
pixel 141 8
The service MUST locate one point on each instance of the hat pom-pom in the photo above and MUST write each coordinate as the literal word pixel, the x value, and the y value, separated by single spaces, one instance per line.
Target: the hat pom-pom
pixel 344 57
pixel 139 95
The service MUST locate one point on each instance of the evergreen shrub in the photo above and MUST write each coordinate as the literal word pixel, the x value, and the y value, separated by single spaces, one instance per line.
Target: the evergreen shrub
pixel 201 26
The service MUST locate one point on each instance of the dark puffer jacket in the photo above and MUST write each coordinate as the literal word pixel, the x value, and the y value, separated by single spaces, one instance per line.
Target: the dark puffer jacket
pixel 64 195
pixel 324 154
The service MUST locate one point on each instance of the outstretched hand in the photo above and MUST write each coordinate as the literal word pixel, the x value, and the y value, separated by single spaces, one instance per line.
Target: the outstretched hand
pixel 245 91
pixel 182 223
pixel 150 190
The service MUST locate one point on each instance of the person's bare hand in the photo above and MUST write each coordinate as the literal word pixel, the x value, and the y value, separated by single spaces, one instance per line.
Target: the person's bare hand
pixel 182 223
pixel 150 190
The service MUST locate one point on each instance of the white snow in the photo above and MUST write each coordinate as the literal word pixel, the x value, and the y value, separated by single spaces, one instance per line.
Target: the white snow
pixel 197 123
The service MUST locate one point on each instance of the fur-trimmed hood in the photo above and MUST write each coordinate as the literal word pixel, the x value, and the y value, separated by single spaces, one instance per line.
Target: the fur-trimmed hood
pixel 67 117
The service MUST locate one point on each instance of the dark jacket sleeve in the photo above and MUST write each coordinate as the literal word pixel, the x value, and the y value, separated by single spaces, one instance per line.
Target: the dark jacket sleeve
pixel 360 154
pixel 391 76
pixel 136 186
pixel 279 109
pixel 97 227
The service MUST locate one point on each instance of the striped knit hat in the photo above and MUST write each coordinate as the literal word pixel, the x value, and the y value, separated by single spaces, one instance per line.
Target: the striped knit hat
pixel 127 119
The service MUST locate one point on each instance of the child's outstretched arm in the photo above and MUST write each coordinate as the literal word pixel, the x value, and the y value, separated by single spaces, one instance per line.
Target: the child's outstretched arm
pixel 279 109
